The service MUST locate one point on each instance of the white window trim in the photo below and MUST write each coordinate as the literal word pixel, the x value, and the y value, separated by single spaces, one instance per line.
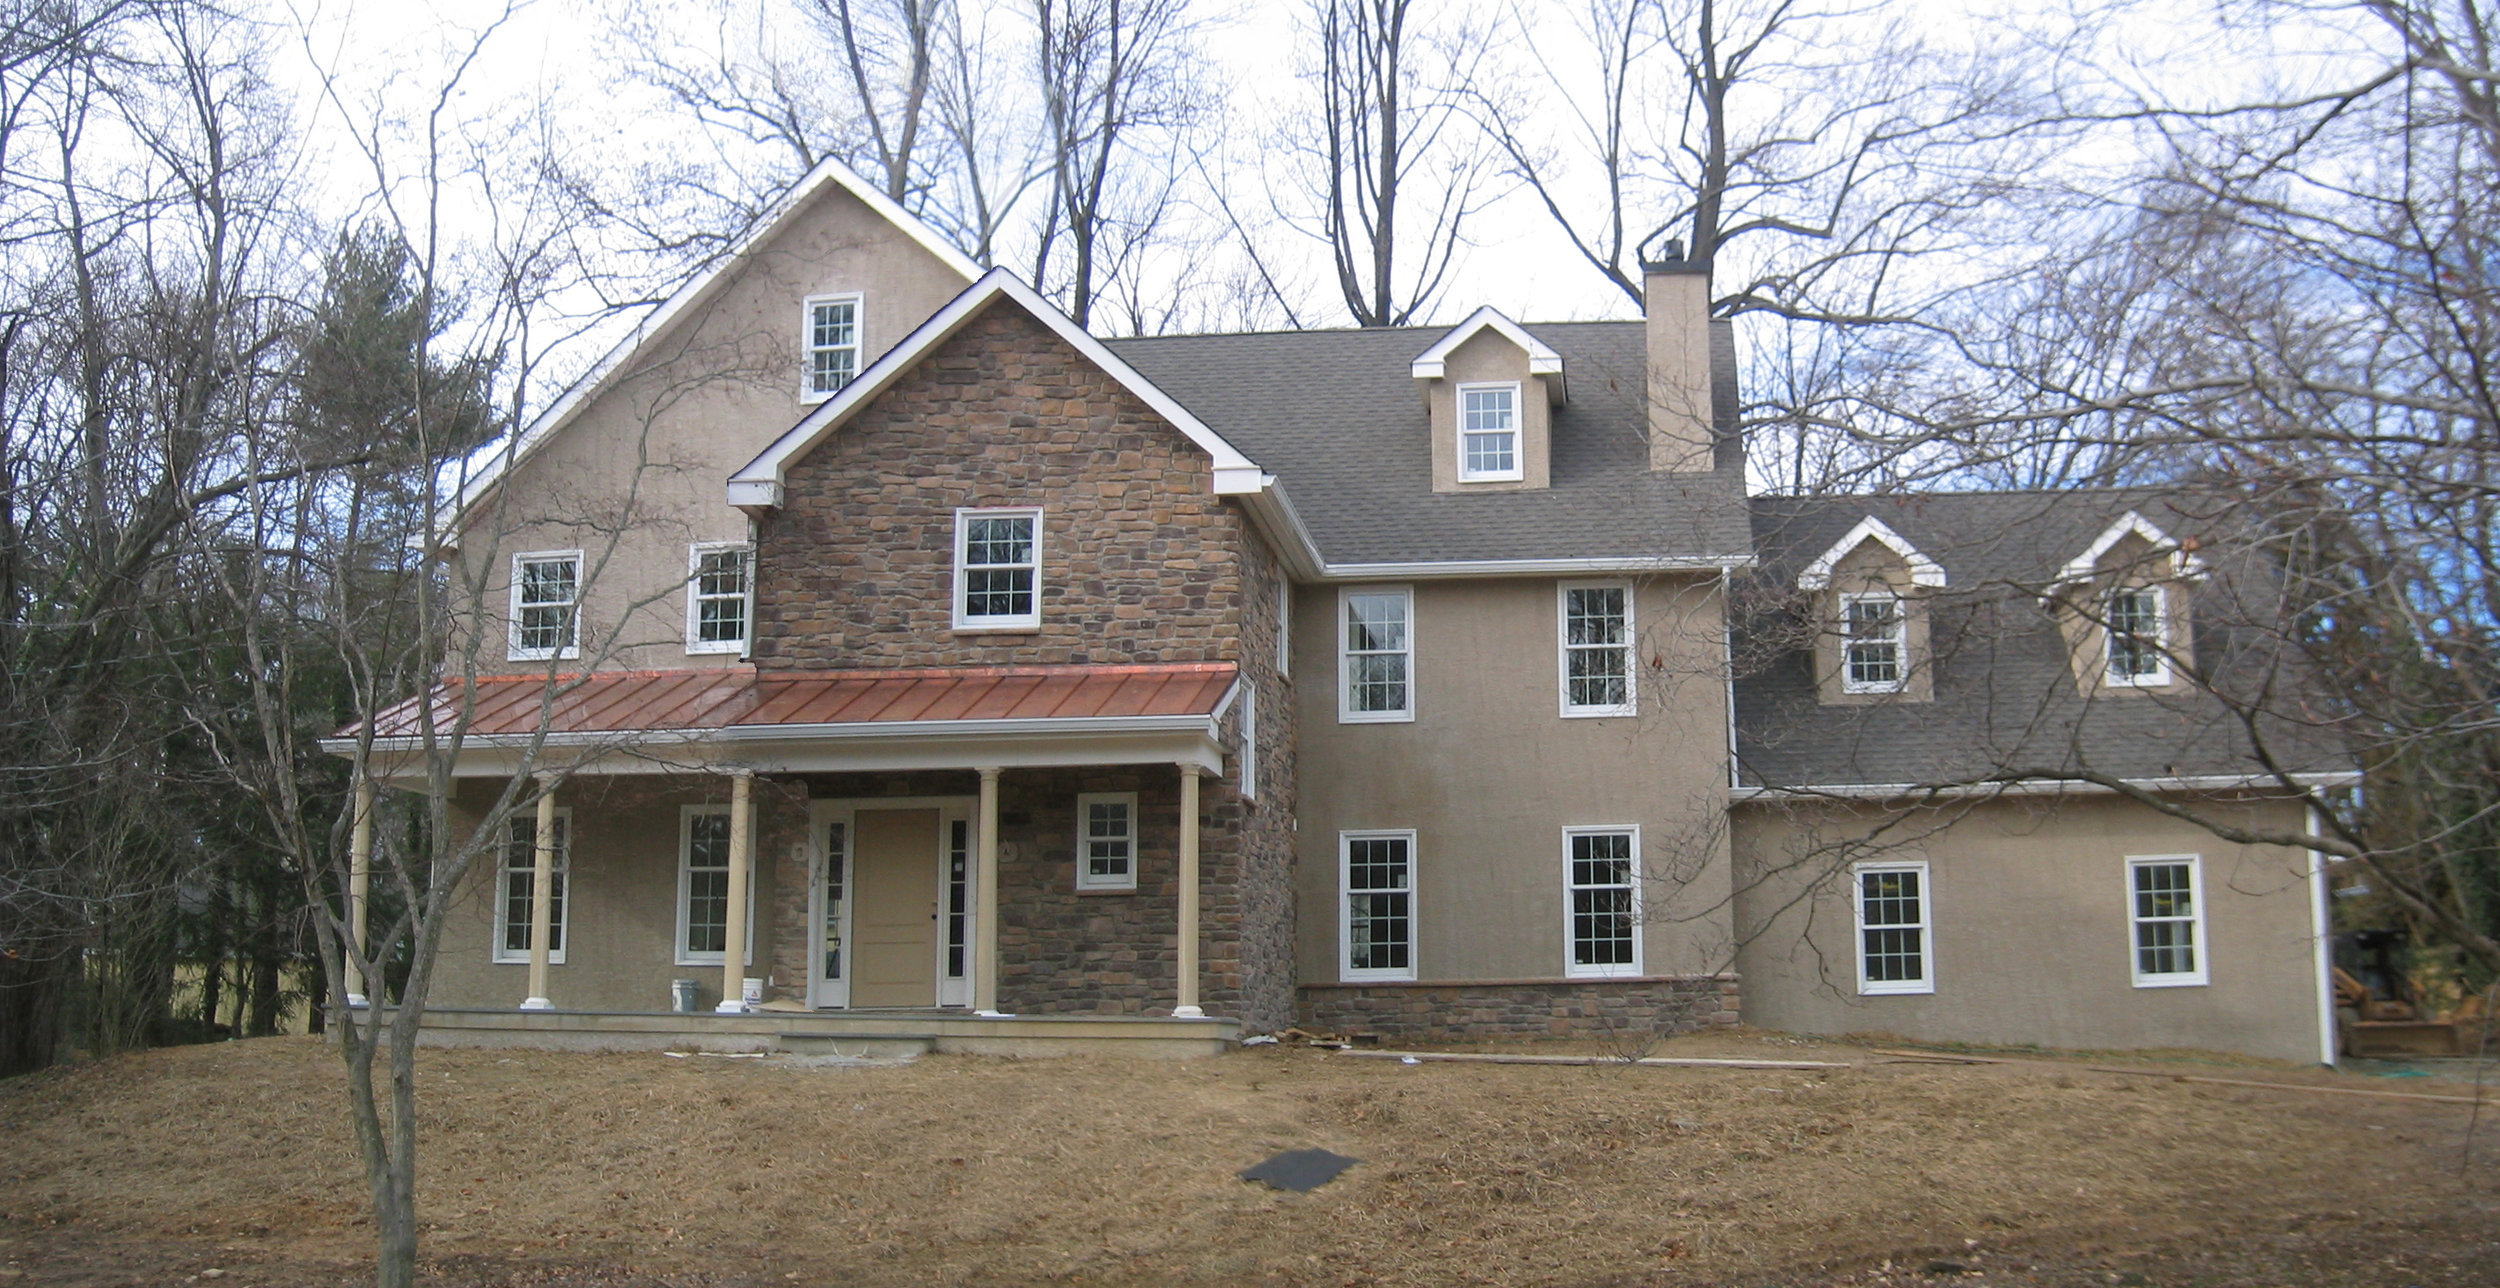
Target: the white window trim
pixel 1346 714
pixel 2202 946
pixel 1084 808
pixel 1249 738
pixel 503 885
pixel 1345 905
pixel 1571 969
pixel 1926 982
pixel 2160 674
pixel 1284 629
pixel 1900 643
pixel 963 531
pixel 1631 704
pixel 686 815
pixel 513 651
pixel 1518 434
pixel 809 396
pixel 694 597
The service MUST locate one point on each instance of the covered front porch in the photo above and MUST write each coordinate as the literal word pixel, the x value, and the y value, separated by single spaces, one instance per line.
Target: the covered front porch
pixel 1002 859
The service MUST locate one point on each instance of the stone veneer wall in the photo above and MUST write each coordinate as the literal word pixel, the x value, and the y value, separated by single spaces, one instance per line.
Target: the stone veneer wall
pixel 1261 897
pixel 1524 1009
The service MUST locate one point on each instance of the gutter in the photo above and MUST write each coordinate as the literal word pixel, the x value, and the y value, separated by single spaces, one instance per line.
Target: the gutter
pixel 856 731
pixel 2042 787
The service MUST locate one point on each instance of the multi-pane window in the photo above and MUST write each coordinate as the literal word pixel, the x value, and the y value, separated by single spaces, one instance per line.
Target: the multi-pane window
pixel 998 569
pixel 1601 876
pixel 837 863
pixel 1872 640
pixel 703 885
pixel 832 344
pixel 1488 436
pixel 1376 654
pixel 519 878
pixel 958 899
pixel 1379 905
pixel 1249 738
pixel 2168 917
pixel 716 599
pixel 1597 650
pixel 546 605
pixel 1892 928
pixel 1106 841
pixel 2136 635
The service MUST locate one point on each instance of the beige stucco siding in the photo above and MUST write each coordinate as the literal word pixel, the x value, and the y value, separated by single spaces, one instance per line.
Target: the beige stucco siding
pixel 641 473
pixel 2031 940
pixel 1489 773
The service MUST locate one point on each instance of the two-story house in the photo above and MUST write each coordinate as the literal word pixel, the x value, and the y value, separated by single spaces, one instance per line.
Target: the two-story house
pixel 919 667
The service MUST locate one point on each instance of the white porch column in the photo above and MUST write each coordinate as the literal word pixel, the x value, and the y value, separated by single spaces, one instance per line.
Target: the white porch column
pixel 1188 1003
pixel 542 899
pixel 359 887
pixel 733 957
pixel 985 899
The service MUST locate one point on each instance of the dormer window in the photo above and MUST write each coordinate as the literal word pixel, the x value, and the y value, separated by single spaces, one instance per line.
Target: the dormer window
pixel 1870 596
pixel 1489 433
pixel 2136 633
pixel 832 345
pixel 1874 635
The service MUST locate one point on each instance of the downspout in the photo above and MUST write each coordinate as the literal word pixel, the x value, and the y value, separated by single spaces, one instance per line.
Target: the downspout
pixel 1727 665
pixel 2322 946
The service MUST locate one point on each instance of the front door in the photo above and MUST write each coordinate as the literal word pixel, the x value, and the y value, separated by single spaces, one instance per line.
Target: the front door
pixel 895 921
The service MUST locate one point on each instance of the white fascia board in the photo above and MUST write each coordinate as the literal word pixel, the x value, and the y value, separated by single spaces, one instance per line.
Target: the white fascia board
pixel 1531 567
pixel 1274 512
pixel 2085 566
pixel 1923 570
pixel 1542 360
pixel 686 299
pixel 2047 787
pixel 817 425
pixel 810 749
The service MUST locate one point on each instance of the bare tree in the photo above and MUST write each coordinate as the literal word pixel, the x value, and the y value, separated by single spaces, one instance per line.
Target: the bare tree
pixel 1118 79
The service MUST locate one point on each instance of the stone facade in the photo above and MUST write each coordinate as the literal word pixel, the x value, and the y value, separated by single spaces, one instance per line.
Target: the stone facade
pixel 1598 1009
pixel 1139 561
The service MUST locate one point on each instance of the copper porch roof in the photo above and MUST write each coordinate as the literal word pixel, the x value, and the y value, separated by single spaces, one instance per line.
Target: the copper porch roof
pixel 624 702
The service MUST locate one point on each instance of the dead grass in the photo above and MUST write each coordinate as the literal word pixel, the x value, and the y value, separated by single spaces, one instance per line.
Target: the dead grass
pixel 959 1170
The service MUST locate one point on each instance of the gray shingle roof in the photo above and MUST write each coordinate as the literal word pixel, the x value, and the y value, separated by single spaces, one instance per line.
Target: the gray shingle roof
pixel 1337 416
pixel 2004 694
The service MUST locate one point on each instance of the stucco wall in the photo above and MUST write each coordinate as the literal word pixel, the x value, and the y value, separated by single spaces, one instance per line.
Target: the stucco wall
pixel 2031 939
pixel 1489 773
pixel 642 472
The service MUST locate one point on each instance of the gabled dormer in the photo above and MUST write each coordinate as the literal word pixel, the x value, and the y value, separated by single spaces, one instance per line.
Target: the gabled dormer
pixel 1490 388
pixel 2123 605
pixel 1869 594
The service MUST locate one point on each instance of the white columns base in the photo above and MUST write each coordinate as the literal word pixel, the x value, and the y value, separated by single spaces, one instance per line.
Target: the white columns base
pixel 537 1004
pixel 357 1002
pixel 731 1006
pixel 1188 1013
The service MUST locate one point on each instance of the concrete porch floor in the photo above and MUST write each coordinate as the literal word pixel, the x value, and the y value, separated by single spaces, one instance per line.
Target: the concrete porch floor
pixel 875 1034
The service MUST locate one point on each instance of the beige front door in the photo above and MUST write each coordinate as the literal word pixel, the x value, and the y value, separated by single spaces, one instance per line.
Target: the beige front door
pixel 894 872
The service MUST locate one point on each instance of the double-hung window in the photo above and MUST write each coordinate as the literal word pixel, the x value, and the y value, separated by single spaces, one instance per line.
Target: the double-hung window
pixel 1106 841
pixel 2166 910
pixel 832 345
pixel 998 570
pixel 517 877
pixel 1873 640
pixel 1601 885
pixel 717 584
pixel 1488 434
pixel 1597 650
pixel 2138 635
pixel 546 605
pixel 703 887
pixel 1376 911
pixel 1894 955
pixel 1376 655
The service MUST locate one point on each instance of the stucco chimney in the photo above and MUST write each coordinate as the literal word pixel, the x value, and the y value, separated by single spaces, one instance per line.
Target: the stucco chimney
pixel 1677 294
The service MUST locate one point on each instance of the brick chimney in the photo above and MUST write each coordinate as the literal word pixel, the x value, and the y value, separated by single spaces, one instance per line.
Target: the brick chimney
pixel 1677 294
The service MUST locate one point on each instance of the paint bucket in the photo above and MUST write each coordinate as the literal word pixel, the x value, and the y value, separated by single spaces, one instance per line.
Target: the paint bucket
pixel 682 993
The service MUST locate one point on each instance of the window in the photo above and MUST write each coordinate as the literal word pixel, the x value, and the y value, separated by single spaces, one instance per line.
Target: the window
pixel 1106 841
pixel 1249 739
pixel 515 881
pixel 716 598
pixel 1601 876
pixel 1377 922
pixel 1893 951
pixel 998 569
pixel 1488 433
pixel 2166 907
pixel 2137 633
pixel 1376 654
pixel 1872 642
pixel 546 605
pixel 1284 629
pixel 832 345
pixel 703 887
pixel 837 866
pixel 1597 650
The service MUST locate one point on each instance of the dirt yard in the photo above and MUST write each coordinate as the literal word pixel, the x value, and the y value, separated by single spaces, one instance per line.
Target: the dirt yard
pixel 231 1164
